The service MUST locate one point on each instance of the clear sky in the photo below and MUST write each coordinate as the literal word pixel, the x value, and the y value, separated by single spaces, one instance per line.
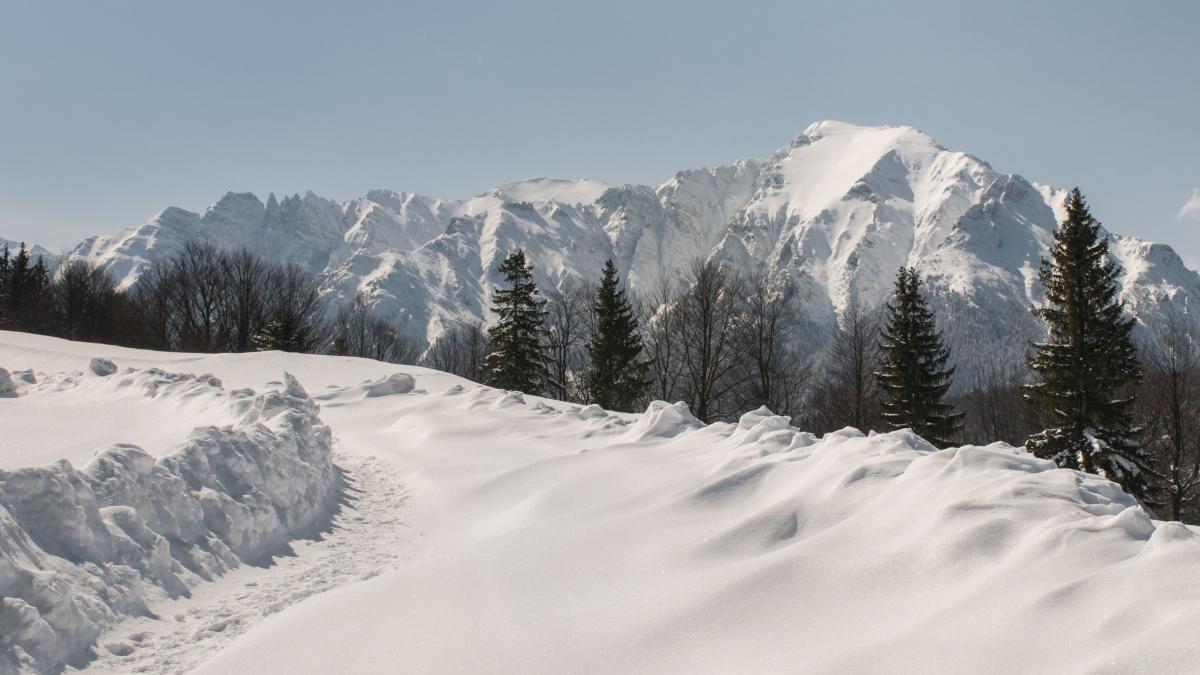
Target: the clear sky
pixel 113 110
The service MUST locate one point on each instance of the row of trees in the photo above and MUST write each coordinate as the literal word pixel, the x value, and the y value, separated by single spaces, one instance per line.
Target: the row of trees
pixel 722 343
pixel 537 351
pixel 202 299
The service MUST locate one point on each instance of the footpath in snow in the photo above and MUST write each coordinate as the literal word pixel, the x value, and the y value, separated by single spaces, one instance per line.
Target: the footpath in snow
pixel 368 536
pixel 486 531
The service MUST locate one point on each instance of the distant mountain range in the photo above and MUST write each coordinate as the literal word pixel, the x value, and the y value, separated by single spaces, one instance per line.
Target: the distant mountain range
pixel 837 210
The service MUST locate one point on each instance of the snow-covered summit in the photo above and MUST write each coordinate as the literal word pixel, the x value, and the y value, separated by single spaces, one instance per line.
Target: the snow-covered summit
pixel 551 190
pixel 837 210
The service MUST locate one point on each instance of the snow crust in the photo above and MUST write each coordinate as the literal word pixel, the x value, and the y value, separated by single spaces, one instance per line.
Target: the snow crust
pixel 535 536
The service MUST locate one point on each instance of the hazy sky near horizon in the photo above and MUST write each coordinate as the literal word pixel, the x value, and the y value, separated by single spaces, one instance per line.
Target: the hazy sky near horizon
pixel 113 110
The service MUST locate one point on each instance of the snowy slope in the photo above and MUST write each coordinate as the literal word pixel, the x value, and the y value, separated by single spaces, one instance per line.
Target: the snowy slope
pixel 837 211
pixel 484 531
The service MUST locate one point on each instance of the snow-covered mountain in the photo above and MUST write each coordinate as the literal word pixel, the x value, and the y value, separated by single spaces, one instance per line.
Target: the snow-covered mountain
pixel 837 210
pixel 35 251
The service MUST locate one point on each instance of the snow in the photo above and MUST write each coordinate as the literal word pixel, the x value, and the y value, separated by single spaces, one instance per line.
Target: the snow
pixel 552 189
pixel 487 531
pixel 150 408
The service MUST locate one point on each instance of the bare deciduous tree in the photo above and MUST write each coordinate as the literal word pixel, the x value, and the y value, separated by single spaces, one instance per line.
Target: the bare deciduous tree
pixel 460 351
pixel 357 331
pixel 244 301
pixel 566 339
pixel 996 406
pixel 1170 413
pixel 660 335
pixel 204 299
pixel 777 374
pixel 709 312
pixel 86 304
pixel 846 394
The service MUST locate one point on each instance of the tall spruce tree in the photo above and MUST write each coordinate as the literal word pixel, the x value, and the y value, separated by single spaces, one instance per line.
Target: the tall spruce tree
pixel 517 359
pixel 617 377
pixel 1087 357
pixel 913 376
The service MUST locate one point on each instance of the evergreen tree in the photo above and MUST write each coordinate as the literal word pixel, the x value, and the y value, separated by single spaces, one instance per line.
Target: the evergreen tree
pixel 5 276
pixel 282 333
pixel 913 375
pixel 18 281
pixel 340 347
pixel 1086 359
pixel 24 290
pixel 517 359
pixel 617 377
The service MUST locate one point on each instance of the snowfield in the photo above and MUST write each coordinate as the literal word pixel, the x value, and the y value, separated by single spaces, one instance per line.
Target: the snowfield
pixel 353 516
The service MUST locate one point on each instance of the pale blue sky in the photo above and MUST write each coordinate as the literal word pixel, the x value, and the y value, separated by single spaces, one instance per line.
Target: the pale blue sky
pixel 113 110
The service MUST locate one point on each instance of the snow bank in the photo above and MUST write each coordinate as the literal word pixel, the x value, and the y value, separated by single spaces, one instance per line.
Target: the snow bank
pixel 79 549
pixel 148 407
pixel 667 546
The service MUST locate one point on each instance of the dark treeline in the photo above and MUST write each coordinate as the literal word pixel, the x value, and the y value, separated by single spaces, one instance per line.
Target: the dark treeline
pixel 1088 396
pixel 202 299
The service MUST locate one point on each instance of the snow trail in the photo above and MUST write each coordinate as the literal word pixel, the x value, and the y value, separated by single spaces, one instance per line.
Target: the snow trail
pixel 369 535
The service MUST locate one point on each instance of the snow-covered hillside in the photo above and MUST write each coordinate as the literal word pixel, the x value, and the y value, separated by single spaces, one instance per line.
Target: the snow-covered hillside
pixel 481 531
pixel 837 210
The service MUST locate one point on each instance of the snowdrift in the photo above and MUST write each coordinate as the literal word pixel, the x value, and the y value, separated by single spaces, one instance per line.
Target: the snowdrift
pixel 517 534
pixel 599 545
pixel 81 548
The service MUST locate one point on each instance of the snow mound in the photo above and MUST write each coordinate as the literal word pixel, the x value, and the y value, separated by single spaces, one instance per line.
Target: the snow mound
pixel 396 383
pixel 7 386
pixel 664 420
pixel 79 549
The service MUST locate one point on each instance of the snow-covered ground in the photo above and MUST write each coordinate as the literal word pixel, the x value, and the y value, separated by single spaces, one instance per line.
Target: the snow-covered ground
pixel 483 531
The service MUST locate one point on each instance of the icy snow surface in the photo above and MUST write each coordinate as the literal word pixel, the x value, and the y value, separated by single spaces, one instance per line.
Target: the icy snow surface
pixel 486 531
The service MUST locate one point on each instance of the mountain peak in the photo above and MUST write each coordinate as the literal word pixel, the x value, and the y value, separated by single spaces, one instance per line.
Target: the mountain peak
pixel 828 128
pixel 581 191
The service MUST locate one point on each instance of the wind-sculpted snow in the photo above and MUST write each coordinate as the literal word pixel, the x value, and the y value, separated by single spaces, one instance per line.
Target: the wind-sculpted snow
pixel 656 544
pixel 837 211
pixel 82 548
pixel 491 531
